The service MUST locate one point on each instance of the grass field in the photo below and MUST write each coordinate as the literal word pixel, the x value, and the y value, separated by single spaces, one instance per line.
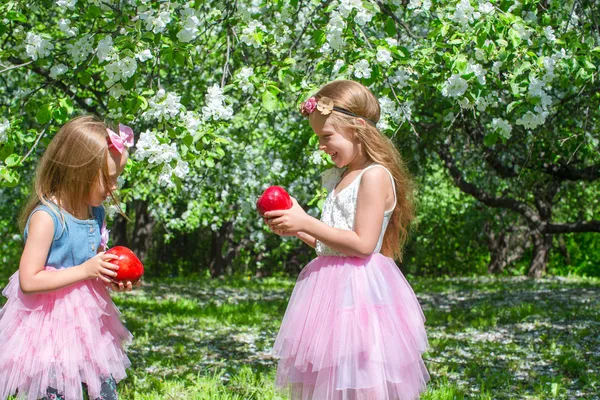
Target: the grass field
pixel 490 338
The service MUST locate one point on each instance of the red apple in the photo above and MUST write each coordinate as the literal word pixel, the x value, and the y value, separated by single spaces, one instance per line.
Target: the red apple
pixel 273 198
pixel 130 267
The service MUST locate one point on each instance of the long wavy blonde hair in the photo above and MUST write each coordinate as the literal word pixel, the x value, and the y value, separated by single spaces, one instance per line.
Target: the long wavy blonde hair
pixel 75 160
pixel 356 98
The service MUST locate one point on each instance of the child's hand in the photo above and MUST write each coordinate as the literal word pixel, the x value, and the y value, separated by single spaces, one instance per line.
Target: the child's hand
pixel 99 266
pixel 278 231
pixel 124 286
pixel 287 222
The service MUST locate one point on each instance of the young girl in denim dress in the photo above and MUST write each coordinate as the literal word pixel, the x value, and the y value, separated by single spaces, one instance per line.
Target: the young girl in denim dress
pixel 61 333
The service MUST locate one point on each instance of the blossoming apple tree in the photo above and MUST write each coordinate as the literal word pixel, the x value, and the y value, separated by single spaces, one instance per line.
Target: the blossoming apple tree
pixel 504 94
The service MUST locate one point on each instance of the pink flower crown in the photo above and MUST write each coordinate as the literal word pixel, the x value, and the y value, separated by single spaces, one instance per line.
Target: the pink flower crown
pixel 325 106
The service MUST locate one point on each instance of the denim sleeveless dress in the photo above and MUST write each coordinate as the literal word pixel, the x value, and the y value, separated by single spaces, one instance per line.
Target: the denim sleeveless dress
pixel 75 240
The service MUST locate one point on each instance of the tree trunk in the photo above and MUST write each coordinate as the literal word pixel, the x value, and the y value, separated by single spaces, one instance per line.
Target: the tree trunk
pixel 142 230
pixel 506 247
pixel 217 261
pixel 119 231
pixel 542 243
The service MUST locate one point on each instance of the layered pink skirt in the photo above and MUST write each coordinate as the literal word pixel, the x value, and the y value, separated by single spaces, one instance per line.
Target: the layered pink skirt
pixel 60 339
pixel 353 330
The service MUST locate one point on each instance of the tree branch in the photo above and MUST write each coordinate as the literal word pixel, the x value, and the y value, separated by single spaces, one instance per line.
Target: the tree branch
pixel 497 202
pixel 573 227
pixel 390 13
pixel 60 85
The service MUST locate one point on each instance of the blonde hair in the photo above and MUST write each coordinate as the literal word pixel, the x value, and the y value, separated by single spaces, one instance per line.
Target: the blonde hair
pixel 357 99
pixel 75 160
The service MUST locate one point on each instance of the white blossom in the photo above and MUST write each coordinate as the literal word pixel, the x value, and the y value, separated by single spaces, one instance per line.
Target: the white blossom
pixel 521 31
pixel 478 70
pixel 337 66
pixel 244 76
pixel 531 120
pixel 57 70
pixel 117 91
pixel 549 33
pixel 249 32
pixel 362 69
pixel 486 8
pixel 182 169
pixel 455 86
pixel 391 42
pixel 419 5
pixel 120 70
pixel 384 56
pixel 496 66
pixel 215 107
pixel 81 49
pixel 146 145
pixel 70 4
pixel 464 13
pixel 401 78
pixel 105 48
pixel 37 47
pixel 335 30
pixel 4 125
pixel 190 29
pixel 502 126
pixel 163 106
pixel 65 26
pixel 144 55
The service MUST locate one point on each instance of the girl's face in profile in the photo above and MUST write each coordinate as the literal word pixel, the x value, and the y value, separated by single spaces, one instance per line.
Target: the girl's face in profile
pixel 100 191
pixel 339 143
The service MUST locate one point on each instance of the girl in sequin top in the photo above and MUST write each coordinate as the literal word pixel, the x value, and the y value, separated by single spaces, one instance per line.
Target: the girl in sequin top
pixel 353 328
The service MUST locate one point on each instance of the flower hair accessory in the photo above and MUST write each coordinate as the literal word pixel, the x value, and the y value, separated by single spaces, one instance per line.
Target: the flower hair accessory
pixel 308 106
pixel 122 140
pixel 326 107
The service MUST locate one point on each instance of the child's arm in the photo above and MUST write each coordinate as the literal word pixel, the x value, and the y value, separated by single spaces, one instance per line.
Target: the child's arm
pixel 306 238
pixel 359 242
pixel 32 276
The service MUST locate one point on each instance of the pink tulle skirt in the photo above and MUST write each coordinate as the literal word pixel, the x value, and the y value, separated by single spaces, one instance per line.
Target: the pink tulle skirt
pixel 60 339
pixel 353 330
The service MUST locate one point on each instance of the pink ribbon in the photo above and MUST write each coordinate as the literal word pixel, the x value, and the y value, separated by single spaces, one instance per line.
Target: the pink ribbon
pixel 122 140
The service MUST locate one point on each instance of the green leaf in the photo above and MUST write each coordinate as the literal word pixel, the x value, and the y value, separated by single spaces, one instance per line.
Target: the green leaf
pixel 512 106
pixel 390 28
pixel 12 160
pixel 445 29
pixel 269 100
pixel 210 163
pixel 319 37
pixel 85 78
pixel 273 89
pixel 490 139
pixel 142 103
pixel 15 16
pixel 44 114
pixel 67 104
pixel 60 115
pixel 10 177
pixel 404 51
pixel 188 140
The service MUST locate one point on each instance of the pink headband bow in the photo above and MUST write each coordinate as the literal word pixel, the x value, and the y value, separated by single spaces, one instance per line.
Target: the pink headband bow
pixel 122 140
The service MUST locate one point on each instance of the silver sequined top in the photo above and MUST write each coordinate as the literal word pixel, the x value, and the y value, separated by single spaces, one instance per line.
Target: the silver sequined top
pixel 339 209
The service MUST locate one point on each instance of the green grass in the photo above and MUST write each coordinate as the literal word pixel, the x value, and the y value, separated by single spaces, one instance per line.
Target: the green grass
pixel 490 338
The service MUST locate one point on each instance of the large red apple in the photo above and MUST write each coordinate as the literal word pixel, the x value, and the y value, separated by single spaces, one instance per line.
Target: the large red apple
pixel 273 198
pixel 130 267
